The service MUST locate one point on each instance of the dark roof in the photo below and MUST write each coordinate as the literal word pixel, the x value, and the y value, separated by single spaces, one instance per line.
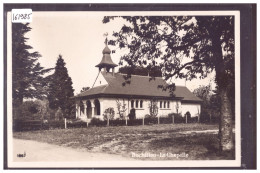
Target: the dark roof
pixel 139 86
pixel 93 91
pixel 182 91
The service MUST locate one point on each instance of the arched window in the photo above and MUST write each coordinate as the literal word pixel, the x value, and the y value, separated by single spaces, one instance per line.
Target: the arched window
pixel 168 104
pixel 132 103
pixel 97 107
pixel 141 104
pixel 136 103
pixel 164 105
pixel 160 104
pixel 82 111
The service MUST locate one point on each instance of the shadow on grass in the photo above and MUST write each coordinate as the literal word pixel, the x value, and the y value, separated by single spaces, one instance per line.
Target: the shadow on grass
pixel 198 146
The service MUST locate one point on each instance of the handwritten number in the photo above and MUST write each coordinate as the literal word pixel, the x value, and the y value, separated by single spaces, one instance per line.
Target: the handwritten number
pixel 21 16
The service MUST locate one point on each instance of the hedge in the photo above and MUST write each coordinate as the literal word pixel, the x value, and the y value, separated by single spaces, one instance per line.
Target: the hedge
pixel 20 125
pixel 97 122
pixel 166 120
pixel 54 124
pixel 76 124
pixel 117 122
pixel 148 121
pixel 135 122
pixel 29 125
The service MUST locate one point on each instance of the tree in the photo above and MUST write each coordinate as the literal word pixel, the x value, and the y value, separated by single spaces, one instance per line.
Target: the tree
pixel 153 108
pixel 27 111
pixel 156 71
pixel 27 73
pixel 121 108
pixel 185 47
pixel 61 90
pixel 33 110
pixel 109 114
pixel 215 107
pixel 43 109
pixel 205 93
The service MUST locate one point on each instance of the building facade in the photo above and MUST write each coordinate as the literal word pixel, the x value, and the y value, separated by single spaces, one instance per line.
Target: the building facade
pixel 111 90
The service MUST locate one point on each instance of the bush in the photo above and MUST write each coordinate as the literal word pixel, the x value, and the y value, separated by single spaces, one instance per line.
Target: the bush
pixel 147 116
pixel 27 125
pixel 117 122
pixel 165 120
pixel 193 120
pixel 177 118
pixel 76 124
pixel 97 122
pixel 205 117
pixel 132 115
pixel 150 120
pixel 54 124
pixel 28 110
pixel 135 122
pixel 32 110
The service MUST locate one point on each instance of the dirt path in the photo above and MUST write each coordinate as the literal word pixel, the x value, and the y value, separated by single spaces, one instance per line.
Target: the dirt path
pixel 42 152
pixel 198 131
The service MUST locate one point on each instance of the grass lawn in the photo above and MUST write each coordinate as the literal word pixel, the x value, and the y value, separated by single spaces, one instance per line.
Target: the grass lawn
pixel 153 142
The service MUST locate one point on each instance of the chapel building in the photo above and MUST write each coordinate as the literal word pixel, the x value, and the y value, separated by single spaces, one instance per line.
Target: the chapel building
pixel 109 90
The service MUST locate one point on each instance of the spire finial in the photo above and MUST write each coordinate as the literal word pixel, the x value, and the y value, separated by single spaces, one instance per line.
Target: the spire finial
pixel 105 35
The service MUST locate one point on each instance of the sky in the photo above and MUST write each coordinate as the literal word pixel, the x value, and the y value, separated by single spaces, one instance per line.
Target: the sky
pixel 79 38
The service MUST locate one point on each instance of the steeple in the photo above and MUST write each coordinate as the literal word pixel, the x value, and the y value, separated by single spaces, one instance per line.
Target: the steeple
pixel 106 62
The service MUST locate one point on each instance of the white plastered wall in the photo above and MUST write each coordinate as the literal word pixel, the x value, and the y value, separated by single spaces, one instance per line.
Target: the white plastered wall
pixel 193 108
pixel 140 112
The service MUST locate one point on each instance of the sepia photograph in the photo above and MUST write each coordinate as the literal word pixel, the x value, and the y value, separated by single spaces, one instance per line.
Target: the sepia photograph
pixel 123 89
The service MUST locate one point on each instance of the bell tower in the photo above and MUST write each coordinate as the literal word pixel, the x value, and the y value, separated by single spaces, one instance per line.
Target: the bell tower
pixel 106 63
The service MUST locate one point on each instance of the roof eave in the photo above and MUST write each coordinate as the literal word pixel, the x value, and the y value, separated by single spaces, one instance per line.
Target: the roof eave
pixel 128 96
pixel 106 64
pixel 191 101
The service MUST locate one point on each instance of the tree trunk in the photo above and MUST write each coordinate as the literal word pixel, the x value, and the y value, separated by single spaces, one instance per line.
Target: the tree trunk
pixel 225 124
